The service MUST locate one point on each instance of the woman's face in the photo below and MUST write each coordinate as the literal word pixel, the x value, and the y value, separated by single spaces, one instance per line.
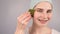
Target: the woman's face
pixel 42 14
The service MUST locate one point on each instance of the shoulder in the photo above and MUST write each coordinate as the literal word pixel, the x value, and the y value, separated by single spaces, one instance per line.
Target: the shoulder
pixel 55 31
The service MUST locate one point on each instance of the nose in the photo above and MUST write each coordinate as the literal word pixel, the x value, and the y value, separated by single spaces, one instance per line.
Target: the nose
pixel 45 16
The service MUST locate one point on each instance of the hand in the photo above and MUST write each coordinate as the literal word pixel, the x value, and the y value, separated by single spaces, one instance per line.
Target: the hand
pixel 23 21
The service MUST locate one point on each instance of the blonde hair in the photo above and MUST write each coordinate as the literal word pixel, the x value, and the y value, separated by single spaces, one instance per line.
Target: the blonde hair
pixel 44 1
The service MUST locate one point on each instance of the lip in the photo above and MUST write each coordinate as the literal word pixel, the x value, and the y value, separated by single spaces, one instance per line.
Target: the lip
pixel 43 21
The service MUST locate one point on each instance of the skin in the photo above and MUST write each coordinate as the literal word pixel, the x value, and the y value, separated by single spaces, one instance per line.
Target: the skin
pixel 25 17
pixel 42 14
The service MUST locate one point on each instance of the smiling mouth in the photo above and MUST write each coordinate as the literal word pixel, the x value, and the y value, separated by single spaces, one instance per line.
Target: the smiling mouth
pixel 42 21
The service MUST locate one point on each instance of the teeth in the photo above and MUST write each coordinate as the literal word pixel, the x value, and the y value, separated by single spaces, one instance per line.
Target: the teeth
pixel 42 20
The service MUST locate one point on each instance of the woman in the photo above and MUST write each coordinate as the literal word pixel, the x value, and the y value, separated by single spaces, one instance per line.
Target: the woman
pixel 42 14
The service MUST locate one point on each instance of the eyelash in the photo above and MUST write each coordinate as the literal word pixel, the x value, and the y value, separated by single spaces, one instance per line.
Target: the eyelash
pixel 42 11
pixel 39 11
pixel 48 11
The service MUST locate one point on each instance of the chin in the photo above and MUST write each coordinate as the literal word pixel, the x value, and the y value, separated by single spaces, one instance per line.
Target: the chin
pixel 42 25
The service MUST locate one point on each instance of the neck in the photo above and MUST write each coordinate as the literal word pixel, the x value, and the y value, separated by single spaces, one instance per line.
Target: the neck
pixel 36 28
pixel 39 27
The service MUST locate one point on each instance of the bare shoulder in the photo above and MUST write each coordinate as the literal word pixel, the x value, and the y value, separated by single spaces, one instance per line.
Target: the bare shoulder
pixel 55 31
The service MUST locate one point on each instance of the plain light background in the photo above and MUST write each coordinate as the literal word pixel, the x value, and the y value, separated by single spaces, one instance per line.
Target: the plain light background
pixel 11 9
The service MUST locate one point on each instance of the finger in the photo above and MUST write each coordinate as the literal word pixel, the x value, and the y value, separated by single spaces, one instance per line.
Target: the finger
pixel 26 20
pixel 24 17
pixel 26 13
pixel 19 18
pixel 21 15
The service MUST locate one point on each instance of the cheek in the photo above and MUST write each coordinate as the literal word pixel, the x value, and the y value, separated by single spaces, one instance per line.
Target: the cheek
pixel 49 16
pixel 36 14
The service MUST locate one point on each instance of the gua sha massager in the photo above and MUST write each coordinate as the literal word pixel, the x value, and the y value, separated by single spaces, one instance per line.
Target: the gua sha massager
pixel 32 12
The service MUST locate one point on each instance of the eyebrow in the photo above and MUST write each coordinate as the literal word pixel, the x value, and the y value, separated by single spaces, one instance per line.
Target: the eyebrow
pixel 40 9
pixel 43 9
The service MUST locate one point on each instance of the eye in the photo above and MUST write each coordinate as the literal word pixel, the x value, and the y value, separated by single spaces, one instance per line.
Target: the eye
pixel 49 11
pixel 39 10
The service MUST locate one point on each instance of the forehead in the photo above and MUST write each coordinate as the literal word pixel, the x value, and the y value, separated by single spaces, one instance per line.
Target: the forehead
pixel 44 5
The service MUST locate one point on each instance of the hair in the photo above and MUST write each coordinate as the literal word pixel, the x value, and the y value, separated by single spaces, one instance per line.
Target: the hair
pixel 44 1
